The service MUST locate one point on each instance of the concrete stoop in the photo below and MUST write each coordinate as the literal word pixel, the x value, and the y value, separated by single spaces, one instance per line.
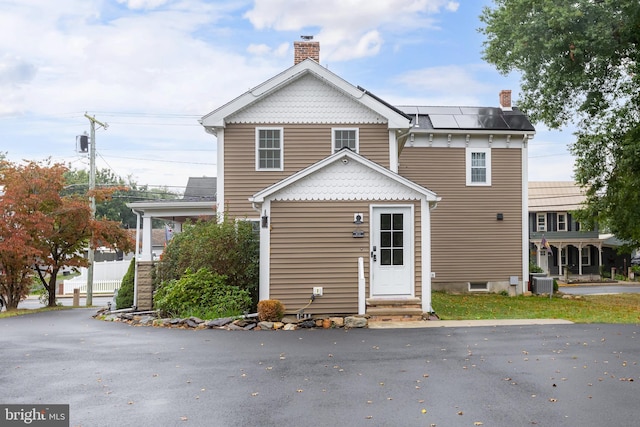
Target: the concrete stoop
pixel 394 310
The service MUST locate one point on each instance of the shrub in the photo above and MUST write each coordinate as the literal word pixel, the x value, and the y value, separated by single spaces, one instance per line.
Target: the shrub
pixel 203 294
pixel 534 268
pixel 228 247
pixel 124 299
pixel 270 310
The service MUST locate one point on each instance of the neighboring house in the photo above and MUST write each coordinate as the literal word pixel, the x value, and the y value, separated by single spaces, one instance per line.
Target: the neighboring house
pixel 569 248
pixel 198 201
pixel 345 188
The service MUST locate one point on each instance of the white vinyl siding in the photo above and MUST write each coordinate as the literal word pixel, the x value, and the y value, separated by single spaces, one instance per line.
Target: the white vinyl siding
pixel 269 149
pixel 478 165
pixel 345 137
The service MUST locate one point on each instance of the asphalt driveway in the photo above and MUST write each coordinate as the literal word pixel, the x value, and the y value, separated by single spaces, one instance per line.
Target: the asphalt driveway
pixel 113 374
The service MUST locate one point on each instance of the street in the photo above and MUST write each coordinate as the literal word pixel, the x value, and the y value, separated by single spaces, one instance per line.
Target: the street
pixel 600 289
pixel 114 374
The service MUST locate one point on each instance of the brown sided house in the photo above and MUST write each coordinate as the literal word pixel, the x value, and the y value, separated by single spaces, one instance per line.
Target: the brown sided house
pixel 345 186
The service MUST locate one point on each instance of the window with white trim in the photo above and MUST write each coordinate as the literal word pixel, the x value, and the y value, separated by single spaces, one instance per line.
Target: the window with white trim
pixel 585 255
pixel 478 166
pixel 541 220
pixel 562 221
pixel 269 149
pixel 563 256
pixel 345 137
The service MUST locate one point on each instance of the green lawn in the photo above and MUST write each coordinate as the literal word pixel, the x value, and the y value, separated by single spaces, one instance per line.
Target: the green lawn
pixel 23 311
pixel 623 308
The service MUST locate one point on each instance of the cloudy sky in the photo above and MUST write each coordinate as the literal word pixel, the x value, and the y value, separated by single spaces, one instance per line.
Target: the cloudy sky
pixel 151 68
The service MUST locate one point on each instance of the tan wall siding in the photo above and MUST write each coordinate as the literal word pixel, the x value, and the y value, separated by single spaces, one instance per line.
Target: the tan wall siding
pixel 312 245
pixel 304 145
pixel 468 243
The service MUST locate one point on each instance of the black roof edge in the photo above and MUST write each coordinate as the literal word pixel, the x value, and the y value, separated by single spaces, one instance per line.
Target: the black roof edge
pixel 382 101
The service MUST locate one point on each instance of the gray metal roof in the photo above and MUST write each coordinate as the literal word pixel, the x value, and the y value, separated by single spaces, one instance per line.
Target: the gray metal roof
pixel 200 189
pixel 467 118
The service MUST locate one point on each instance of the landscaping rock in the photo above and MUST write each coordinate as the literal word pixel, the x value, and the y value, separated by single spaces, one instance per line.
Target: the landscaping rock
pixel 355 322
pixel 338 322
pixel 265 325
pixel 216 323
pixel 191 323
pixel 247 323
pixel 307 324
pixel 290 319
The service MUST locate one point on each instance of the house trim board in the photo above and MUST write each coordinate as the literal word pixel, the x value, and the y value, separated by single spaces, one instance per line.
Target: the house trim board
pixel 216 119
pixel 220 171
pixel 525 216
pixel 345 156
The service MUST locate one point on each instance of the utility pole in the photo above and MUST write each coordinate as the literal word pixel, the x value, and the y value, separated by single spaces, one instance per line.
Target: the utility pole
pixel 92 186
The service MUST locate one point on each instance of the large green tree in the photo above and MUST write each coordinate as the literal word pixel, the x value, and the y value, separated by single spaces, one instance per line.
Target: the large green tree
pixel 125 190
pixel 579 65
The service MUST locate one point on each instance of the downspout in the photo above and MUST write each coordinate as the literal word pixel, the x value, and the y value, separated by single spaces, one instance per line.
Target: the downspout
pixel 135 274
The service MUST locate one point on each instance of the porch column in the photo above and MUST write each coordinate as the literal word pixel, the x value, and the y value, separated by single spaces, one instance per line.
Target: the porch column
pixel 580 259
pixel 146 254
pixel 538 249
pixel 560 266
pixel 600 258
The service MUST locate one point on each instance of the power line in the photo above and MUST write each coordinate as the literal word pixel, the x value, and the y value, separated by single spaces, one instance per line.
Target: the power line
pixel 163 161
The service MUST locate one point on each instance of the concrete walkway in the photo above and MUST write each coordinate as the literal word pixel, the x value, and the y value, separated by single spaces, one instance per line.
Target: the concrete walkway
pixel 467 323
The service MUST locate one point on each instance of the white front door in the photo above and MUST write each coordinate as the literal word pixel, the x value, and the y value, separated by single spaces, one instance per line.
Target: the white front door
pixel 392 251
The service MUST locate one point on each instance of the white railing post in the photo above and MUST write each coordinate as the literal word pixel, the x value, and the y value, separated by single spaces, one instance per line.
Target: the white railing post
pixel 361 287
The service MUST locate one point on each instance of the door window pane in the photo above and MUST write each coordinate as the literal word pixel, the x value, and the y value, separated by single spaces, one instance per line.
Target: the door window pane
pixel 398 221
pixel 385 257
pixel 385 221
pixel 397 257
pixel 392 239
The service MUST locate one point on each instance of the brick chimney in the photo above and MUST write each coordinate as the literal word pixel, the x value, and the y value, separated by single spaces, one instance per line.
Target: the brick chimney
pixel 505 100
pixel 306 49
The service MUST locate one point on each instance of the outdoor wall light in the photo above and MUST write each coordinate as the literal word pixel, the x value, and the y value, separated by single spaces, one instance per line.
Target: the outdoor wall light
pixel 265 221
pixel 357 220
pixel 499 216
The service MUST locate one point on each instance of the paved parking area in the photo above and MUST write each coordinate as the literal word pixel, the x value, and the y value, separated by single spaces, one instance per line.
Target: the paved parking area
pixel 113 374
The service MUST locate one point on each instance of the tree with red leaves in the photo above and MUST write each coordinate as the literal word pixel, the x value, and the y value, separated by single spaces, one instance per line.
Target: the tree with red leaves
pixel 42 232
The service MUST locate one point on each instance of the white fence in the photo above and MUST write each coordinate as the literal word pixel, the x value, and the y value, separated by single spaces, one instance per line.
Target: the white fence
pixel 107 277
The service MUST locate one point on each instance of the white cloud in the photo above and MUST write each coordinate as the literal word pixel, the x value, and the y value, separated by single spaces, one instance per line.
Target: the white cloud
pixel 264 50
pixel 258 49
pixel 448 78
pixel 452 6
pixel 348 29
pixel 143 4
